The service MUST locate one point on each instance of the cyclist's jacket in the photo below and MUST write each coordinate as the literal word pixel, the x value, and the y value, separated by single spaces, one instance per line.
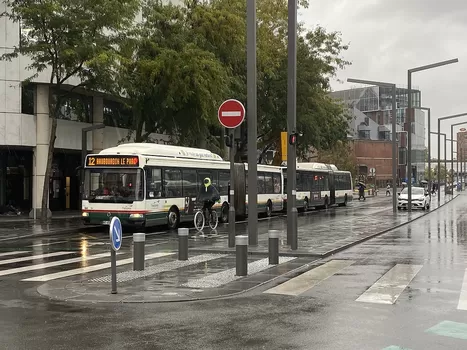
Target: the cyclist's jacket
pixel 209 193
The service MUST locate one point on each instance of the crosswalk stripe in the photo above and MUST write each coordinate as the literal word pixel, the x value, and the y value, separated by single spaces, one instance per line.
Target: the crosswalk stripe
pixel 43 244
pixel 309 279
pixel 391 285
pixel 463 296
pixel 81 270
pixel 51 264
pixel 14 253
pixel 35 257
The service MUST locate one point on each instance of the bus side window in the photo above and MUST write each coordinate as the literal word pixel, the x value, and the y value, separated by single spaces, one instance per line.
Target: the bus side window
pixel 153 183
pixel 173 183
pixel 277 183
pixel 268 182
pixel 224 180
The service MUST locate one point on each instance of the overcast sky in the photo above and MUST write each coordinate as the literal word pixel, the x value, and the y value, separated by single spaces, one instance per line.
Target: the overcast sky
pixel 388 37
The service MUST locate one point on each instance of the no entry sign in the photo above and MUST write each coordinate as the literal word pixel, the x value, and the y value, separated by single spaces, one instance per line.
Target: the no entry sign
pixel 231 113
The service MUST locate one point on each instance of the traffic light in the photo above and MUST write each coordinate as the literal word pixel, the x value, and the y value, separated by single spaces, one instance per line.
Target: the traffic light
pixel 293 139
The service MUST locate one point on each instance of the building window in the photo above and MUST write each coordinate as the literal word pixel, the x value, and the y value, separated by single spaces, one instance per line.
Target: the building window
pixel 384 135
pixel 27 99
pixel 364 134
pixel 74 107
pixel 117 114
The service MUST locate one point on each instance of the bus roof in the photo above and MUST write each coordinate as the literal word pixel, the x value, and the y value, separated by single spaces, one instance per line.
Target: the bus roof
pixel 158 150
pixel 316 166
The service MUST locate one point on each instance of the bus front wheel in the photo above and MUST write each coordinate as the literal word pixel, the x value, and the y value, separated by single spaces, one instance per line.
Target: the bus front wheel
pixel 173 218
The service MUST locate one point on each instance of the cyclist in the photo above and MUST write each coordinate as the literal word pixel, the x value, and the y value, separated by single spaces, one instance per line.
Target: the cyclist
pixel 208 195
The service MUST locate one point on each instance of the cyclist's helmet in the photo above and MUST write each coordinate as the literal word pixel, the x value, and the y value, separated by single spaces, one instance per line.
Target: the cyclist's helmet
pixel 207 182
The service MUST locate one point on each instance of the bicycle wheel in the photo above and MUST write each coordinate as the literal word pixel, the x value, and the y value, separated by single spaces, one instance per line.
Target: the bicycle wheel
pixel 213 220
pixel 199 221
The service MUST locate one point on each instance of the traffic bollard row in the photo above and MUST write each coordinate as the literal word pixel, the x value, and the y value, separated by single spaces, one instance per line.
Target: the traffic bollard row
pixel 273 247
pixel 241 255
pixel 182 244
pixel 139 240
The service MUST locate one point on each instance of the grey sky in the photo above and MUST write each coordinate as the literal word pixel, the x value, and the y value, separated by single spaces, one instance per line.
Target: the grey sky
pixel 388 37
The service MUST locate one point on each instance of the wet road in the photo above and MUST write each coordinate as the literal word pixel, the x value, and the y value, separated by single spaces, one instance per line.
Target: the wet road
pixel 403 289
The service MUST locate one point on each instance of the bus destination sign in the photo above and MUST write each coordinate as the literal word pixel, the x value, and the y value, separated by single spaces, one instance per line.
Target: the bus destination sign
pixel 116 160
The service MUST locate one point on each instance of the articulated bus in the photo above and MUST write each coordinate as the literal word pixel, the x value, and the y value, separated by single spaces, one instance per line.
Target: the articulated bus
pixel 148 184
pixel 320 186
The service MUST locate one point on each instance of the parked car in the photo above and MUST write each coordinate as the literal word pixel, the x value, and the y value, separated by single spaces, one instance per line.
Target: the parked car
pixel 420 198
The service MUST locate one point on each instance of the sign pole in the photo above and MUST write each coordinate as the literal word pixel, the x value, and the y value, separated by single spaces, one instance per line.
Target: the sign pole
pixel 231 114
pixel 113 266
pixel 232 191
pixel 116 237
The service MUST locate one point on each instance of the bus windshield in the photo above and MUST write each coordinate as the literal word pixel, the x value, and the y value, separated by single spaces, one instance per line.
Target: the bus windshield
pixel 111 185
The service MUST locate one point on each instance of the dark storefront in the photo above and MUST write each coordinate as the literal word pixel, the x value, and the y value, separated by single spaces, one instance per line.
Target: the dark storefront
pixel 64 181
pixel 16 178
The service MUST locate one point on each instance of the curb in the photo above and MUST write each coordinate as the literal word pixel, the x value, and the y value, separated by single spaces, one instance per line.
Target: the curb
pixel 303 268
pixel 54 233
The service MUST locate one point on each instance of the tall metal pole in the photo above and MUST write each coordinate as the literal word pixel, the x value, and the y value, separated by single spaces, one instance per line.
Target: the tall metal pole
pixel 429 151
pixel 252 124
pixel 394 150
pixel 445 168
pixel 439 161
pixel 452 157
pixel 292 212
pixel 233 148
pixel 409 142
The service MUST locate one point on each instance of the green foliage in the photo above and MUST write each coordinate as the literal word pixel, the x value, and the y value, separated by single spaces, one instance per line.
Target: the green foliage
pixel 449 175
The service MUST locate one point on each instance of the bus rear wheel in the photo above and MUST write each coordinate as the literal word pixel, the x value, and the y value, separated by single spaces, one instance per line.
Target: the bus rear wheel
pixel 224 213
pixel 269 209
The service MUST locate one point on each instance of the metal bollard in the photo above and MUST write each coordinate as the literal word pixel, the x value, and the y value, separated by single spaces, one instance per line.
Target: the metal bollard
pixel 241 255
pixel 273 247
pixel 182 244
pixel 139 240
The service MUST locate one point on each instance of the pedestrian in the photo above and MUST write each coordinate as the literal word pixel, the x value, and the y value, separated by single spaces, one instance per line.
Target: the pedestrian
pixel 388 190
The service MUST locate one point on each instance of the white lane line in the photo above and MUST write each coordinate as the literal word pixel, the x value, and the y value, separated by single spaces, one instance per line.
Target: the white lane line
pixel 18 252
pixel 86 269
pixel 44 244
pixel 463 296
pixel 309 279
pixel 231 114
pixel 220 278
pixel 391 285
pixel 52 264
pixel 35 257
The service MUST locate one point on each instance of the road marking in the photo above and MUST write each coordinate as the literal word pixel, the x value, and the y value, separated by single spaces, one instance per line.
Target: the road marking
pixel 81 270
pixel 309 279
pixel 231 114
pixel 395 347
pixel 390 286
pixel 463 296
pixel 43 244
pixel 35 257
pixel 450 329
pixel 15 253
pixel 52 264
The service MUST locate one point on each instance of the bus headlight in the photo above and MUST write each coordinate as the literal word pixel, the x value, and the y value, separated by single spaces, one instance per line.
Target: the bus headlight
pixel 136 216
pixel 85 214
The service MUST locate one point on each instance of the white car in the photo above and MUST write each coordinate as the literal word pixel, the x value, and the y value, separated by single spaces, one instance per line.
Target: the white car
pixel 420 199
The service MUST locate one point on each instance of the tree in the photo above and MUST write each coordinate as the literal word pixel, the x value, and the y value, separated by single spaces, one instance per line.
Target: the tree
pixel 69 39
pixel 434 173
pixel 341 155
pixel 175 84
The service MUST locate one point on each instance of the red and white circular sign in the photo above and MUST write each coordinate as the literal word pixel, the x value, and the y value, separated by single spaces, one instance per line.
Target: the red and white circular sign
pixel 231 113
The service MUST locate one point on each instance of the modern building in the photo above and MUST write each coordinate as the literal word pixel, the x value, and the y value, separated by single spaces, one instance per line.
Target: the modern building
pixel 371 111
pixel 25 125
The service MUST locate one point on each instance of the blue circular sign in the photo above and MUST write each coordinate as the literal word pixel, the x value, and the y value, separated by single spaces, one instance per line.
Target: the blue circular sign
pixel 116 233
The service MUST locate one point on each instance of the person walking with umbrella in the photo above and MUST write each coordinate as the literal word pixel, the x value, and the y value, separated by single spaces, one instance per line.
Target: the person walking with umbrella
pixel 361 190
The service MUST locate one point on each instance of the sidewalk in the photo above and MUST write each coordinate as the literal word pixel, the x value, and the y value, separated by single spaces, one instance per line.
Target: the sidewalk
pixel 210 271
pixel 56 215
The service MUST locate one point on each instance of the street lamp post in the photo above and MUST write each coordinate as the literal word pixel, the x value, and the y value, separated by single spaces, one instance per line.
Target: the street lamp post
pixel 409 124
pixel 429 143
pixel 394 138
pixel 452 162
pixel 439 140
pixel 439 161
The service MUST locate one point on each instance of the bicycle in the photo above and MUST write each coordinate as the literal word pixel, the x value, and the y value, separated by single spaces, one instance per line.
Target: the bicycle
pixel 200 219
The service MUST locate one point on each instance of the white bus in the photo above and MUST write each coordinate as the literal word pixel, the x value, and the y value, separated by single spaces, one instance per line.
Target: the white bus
pixel 147 184
pixel 320 185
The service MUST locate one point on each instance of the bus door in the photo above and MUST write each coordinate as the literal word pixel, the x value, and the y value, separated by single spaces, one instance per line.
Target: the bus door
pixel 332 189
